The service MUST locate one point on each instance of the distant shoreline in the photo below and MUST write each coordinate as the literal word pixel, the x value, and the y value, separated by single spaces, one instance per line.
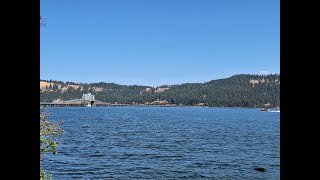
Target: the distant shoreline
pixel 171 106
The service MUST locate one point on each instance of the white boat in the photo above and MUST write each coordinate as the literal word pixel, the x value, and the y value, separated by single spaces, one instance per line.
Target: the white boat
pixel 265 107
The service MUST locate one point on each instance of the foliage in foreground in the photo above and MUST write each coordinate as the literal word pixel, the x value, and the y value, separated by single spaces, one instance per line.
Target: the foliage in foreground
pixel 49 131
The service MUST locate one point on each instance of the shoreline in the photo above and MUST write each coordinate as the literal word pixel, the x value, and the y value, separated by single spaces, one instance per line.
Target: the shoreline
pixel 128 105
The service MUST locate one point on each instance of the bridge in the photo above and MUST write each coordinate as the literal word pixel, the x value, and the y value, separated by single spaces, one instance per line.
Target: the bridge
pixel 89 100
pixel 75 103
pixel 65 104
pixel 86 100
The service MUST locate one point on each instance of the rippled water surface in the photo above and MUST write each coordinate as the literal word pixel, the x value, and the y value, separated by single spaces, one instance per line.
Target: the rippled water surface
pixel 165 143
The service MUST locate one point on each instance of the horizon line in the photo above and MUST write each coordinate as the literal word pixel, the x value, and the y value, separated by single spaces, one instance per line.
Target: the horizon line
pixel 160 85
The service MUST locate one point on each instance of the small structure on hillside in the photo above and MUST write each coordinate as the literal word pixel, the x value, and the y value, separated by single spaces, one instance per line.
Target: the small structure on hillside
pixel 88 99
pixel 200 105
pixel 157 102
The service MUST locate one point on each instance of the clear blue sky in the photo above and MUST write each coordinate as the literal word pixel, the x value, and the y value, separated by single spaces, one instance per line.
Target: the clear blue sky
pixel 158 42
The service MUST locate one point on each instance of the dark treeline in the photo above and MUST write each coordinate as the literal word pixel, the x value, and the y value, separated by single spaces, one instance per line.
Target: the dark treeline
pixel 237 91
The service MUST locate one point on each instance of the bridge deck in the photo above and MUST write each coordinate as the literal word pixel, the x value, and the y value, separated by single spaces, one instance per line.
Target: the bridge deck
pixel 81 103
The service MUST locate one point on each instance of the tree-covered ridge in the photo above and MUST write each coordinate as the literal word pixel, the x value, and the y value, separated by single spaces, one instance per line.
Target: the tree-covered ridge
pixel 243 90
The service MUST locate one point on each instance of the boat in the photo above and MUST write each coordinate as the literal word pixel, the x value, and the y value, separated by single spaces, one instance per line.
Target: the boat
pixel 265 107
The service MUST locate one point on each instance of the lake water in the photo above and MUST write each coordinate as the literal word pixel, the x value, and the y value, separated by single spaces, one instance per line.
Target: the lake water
pixel 165 143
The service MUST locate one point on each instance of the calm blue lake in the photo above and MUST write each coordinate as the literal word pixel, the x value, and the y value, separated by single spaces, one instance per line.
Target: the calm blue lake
pixel 165 143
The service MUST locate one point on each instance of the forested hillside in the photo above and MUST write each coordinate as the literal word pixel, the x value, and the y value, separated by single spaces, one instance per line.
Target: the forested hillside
pixel 237 91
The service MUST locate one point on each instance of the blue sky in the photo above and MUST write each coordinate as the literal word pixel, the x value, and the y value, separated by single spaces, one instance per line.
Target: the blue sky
pixel 158 42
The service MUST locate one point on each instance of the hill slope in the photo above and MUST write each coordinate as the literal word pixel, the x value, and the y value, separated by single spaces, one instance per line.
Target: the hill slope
pixel 237 91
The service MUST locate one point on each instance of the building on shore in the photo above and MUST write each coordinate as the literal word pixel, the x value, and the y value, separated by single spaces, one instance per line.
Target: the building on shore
pixel 88 99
